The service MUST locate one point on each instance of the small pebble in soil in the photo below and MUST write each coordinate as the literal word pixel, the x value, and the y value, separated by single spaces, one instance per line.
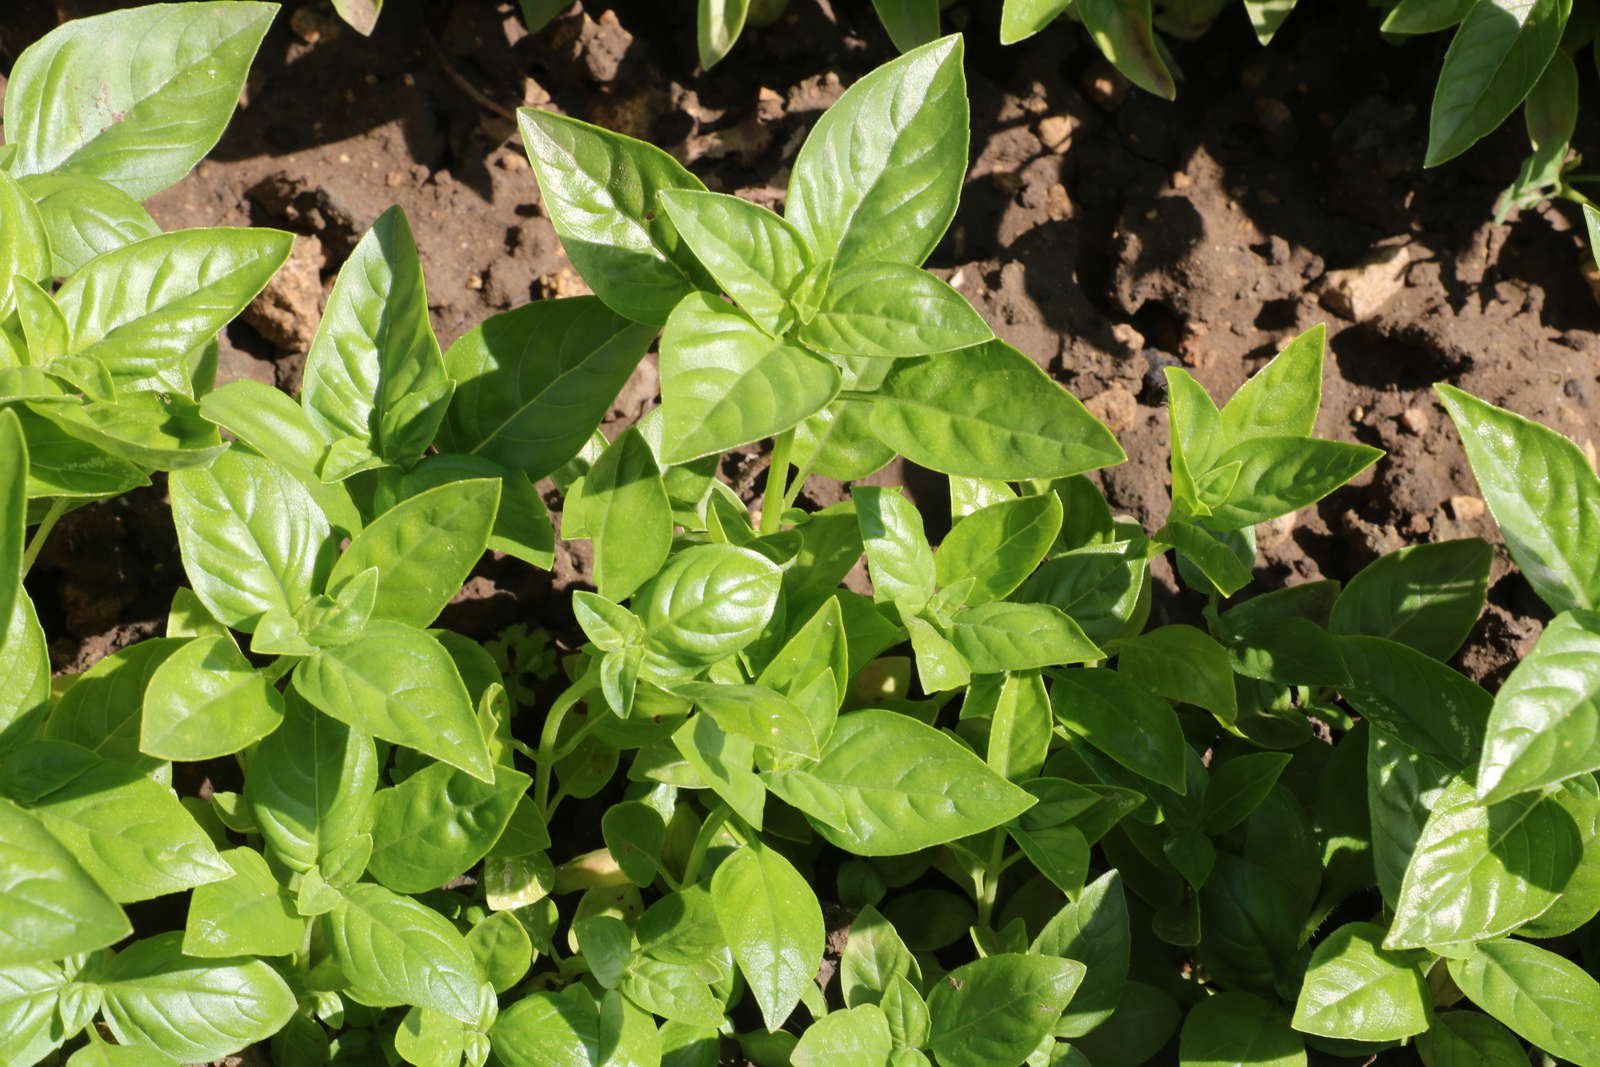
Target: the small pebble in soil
pixel 1154 390
pixel 1415 420
pixel 1574 391
pixel 1467 508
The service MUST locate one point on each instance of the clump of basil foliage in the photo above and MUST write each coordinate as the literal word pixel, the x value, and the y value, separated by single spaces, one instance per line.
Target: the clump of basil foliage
pixel 1071 840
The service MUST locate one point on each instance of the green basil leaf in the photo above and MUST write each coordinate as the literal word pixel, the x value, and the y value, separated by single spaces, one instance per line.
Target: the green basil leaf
pixel 850 1037
pixel 756 713
pixel 1093 929
pixel 1498 866
pixel 905 786
pixel 672 991
pixel 251 537
pixel 398 683
pixel 534 382
pixel 29 994
pixel 147 429
pixel 502 947
pixel 1425 16
pixel 1357 990
pixel 901 563
pixel 999 546
pixel 626 513
pixel 725 383
pixel 839 443
pixel 1002 636
pixel 1278 475
pixel 707 603
pixel 1281 399
pixel 1267 15
pixel 1493 62
pixel 1463 1038
pixel 1098 586
pixel 873 957
pixel 24 245
pixel 1425 596
pixel 1126 34
pixel 1021 19
pixel 717 29
pixel 549 1030
pixel 374 376
pixel 755 256
pixel 424 548
pixel 250 914
pixel 601 191
pixel 311 786
pixel 50 905
pixel 191 1010
pixel 25 663
pixel 13 510
pixel 910 23
pixel 1235 1029
pixel 143 309
pixel 1541 725
pixel 62 465
pixel 1238 786
pixel 1418 699
pixel 891 309
pixel 130 833
pixel 996 1009
pixel 268 421
pixel 134 97
pixel 988 412
pixel 723 762
pixel 1185 664
pixel 85 217
pixel 773 923
pixel 1122 719
pixel 1403 785
pixel 396 951
pixel 439 822
pixel 1251 918
pixel 206 700
pixel 1543 493
pixel 1145 1019
pixel 101 710
pixel 1545 999
pixel 1021 727
pixel 879 175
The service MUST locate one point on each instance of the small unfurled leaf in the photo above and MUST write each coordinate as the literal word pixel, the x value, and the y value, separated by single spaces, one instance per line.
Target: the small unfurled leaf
pixel 755 256
pixel 999 545
pixel 627 516
pixel 707 603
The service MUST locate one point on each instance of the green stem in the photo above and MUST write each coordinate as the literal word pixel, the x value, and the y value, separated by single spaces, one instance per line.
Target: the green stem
pixel 546 756
pixel 798 482
pixel 279 667
pixel 989 885
pixel 58 508
pixel 702 842
pixel 777 483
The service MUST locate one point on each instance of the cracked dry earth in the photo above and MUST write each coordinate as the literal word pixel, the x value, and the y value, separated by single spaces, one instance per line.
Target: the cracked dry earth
pixel 1104 232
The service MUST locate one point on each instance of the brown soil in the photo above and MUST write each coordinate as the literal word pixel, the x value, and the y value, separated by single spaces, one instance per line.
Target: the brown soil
pixel 1104 232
